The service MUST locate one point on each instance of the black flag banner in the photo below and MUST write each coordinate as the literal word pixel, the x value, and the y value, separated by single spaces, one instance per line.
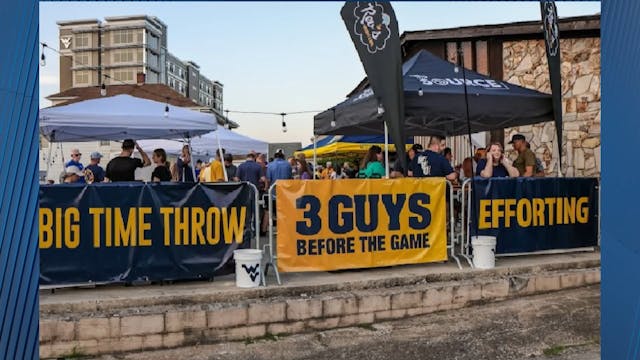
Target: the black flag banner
pixel 552 41
pixel 373 27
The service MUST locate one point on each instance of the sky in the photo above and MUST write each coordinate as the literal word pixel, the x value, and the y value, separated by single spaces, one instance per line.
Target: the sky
pixel 278 56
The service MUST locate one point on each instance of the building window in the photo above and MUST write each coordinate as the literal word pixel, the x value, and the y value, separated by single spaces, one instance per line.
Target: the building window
pixel 123 56
pixel 81 59
pixel 82 40
pixel 123 75
pixel 123 36
pixel 82 77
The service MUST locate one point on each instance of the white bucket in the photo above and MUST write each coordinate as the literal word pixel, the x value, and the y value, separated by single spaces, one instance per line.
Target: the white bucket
pixel 484 252
pixel 248 268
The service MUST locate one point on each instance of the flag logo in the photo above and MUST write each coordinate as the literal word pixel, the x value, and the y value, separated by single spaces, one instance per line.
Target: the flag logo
pixel 372 25
pixel 551 28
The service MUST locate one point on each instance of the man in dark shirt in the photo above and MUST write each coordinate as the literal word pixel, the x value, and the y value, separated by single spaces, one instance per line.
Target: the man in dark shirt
pixel 123 167
pixel 431 163
pixel 228 165
pixel 97 172
pixel 398 172
pixel 250 171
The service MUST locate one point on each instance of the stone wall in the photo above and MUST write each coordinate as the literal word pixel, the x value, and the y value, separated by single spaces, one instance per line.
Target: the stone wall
pixel 525 64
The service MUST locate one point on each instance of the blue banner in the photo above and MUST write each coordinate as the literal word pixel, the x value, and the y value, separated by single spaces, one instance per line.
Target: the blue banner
pixel 535 214
pixel 128 232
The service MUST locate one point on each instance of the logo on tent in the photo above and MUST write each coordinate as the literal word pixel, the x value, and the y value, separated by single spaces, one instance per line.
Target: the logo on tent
pixel 372 25
pixel 484 83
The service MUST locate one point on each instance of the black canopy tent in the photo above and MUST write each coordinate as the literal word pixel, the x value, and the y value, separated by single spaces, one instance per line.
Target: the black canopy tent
pixel 435 104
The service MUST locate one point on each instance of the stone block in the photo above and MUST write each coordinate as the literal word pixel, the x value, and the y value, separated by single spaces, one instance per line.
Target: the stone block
pixel 142 325
pixel 57 330
pixel 98 328
pixel 356 319
pixel 592 277
pixel 546 283
pixel 172 340
pixel 287 328
pixel 302 309
pixel 465 293
pixel 572 280
pixel 176 321
pixel 152 341
pixel 227 317
pixel 390 314
pixel 372 303
pixel 68 349
pixel 268 312
pixel 245 332
pixel 437 296
pixel 496 289
pixel 121 344
pixel 340 306
pixel 406 300
pixel 421 310
pixel 323 324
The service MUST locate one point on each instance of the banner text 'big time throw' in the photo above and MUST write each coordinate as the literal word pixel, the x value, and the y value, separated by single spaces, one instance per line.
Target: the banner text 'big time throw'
pixel 331 225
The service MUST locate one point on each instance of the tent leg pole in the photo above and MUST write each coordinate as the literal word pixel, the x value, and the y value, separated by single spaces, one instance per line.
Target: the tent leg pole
pixel 315 154
pixel 224 169
pixel 386 150
pixel 46 173
pixel 193 166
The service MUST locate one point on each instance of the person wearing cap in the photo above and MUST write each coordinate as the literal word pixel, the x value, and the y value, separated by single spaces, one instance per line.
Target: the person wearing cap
pixel 398 171
pixel 279 169
pixel 94 172
pixel 526 160
pixel 75 161
pixel 72 174
pixel 123 167
pixel 431 163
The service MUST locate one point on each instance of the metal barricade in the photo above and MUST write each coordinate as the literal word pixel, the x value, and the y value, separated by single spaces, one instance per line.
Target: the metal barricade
pixel 273 257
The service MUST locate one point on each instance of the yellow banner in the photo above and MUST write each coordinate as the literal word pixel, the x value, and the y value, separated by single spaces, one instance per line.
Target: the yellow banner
pixel 359 223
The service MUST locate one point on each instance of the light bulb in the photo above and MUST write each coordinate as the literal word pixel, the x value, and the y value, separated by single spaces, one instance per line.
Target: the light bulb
pixel 43 62
pixel 166 111
pixel 380 109
pixel 420 92
pixel 103 90
pixel 284 127
pixel 333 123
pixel 456 69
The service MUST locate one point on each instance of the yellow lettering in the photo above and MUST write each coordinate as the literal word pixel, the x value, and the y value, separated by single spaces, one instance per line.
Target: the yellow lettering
pixel 181 226
pixel 509 212
pixel 96 212
pixel 107 226
pixel 125 234
pixel 484 214
pixel 559 213
pixel 72 235
pixel 582 215
pixel 58 229
pixel 524 204
pixel 166 213
pixel 496 212
pixel 46 228
pixel 570 210
pixel 143 226
pixel 213 225
pixel 232 225
pixel 538 212
pixel 550 202
pixel 197 222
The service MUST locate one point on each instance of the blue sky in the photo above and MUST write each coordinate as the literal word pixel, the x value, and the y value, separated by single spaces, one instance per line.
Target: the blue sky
pixel 278 56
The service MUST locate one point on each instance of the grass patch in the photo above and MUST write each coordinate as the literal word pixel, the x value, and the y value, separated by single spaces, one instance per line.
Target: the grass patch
pixel 555 350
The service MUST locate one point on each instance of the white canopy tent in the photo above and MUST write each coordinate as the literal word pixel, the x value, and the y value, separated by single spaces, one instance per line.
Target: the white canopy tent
pixel 122 117
pixel 206 145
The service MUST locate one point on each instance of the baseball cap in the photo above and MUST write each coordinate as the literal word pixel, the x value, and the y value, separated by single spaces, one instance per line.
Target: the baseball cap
pixel 71 170
pixel 96 155
pixel 517 137
pixel 279 152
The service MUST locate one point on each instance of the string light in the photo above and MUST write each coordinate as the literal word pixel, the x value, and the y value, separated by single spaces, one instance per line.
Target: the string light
pixel 43 61
pixel 333 120
pixel 103 90
pixel 420 92
pixel 166 109
pixel 284 124
pixel 380 109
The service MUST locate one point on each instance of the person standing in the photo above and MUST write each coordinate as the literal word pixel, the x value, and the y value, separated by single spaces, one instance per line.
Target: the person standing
pixel 431 163
pixel 75 161
pixel 329 173
pixel 94 171
pixel 279 169
pixel 526 160
pixel 228 165
pixel 250 171
pixel 496 164
pixel 123 167
pixel 161 172
pixel 398 171
pixel 183 165
pixel 372 164
pixel 198 168
pixel 214 172
pixel 72 175
pixel 303 170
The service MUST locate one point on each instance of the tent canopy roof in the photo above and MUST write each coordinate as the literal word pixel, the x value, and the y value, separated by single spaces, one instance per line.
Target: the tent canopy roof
pixel 122 117
pixel 435 103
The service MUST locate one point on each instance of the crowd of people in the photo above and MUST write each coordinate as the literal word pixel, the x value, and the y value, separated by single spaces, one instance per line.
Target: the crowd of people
pixel 435 161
